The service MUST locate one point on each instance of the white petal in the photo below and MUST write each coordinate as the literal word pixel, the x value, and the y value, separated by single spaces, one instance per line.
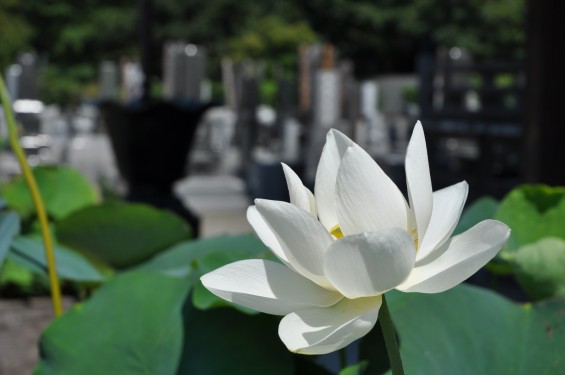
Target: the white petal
pixel 267 286
pixel 312 199
pixel 265 233
pixel 367 199
pixel 418 180
pixel 326 174
pixel 325 330
pixel 369 264
pixel 299 195
pixel 303 239
pixel 458 258
pixel 448 205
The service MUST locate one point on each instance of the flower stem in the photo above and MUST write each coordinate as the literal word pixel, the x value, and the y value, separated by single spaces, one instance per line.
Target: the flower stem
pixel 36 197
pixel 390 339
pixel 342 359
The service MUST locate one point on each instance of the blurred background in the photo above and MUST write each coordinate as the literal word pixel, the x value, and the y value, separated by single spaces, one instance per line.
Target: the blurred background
pixel 191 105
pixel 262 83
pixel 229 88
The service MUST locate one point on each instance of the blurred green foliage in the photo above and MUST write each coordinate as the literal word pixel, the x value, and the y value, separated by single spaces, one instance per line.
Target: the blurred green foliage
pixel 444 333
pixel 93 240
pixel 481 209
pixel 67 85
pixel 121 235
pixel 63 189
pixel 468 330
pixel 273 39
pixel 540 268
pixel 15 31
pixel 533 212
pixel 385 35
pixel 132 326
pixel 154 314
pixel 380 36
pixel 535 252
pixel 9 228
pixel 17 281
pixel 356 369
pixel 29 253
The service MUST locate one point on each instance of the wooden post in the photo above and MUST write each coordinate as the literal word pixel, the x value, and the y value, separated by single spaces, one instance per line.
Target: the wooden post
pixel 544 130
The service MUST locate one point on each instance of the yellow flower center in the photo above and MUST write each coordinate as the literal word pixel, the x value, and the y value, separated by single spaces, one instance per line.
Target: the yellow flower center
pixel 414 234
pixel 336 231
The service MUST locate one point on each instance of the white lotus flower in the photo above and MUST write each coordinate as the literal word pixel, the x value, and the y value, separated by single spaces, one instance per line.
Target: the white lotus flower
pixel 368 240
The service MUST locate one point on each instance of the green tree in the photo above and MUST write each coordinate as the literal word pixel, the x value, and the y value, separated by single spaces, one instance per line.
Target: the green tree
pixel 272 39
pixel 378 35
pixel 15 32
pixel 74 37
pixel 385 35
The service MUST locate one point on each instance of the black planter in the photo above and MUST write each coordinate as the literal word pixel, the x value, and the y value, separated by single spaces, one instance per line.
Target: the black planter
pixel 151 141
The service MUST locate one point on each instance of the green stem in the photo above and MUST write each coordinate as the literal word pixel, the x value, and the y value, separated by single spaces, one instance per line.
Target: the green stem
pixel 390 339
pixel 342 359
pixel 36 197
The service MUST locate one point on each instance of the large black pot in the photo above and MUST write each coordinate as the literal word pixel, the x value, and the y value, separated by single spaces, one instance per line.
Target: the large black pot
pixel 151 141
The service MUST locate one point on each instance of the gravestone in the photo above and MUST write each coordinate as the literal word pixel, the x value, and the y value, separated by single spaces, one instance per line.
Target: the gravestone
pixel 248 100
pixel 326 109
pixel 22 77
pixel 327 104
pixel 13 76
pixel 448 76
pixel 195 57
pixel 290 143
pixel 310 61
pixel 184 71
pixel 173 70
pixel 28 87
pixel 375 130
pixel 285 106
pixel 229 83
pixel 109 80
pixel 132 81
pixel 349 97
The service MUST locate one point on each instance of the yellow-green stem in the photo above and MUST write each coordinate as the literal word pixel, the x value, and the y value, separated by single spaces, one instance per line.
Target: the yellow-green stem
pixel 36 197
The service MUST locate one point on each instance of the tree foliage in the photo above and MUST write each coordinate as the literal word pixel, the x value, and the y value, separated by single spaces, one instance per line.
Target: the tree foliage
pixel 273 39
pixel 378 35
pixel 386 35
pixel 15 32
